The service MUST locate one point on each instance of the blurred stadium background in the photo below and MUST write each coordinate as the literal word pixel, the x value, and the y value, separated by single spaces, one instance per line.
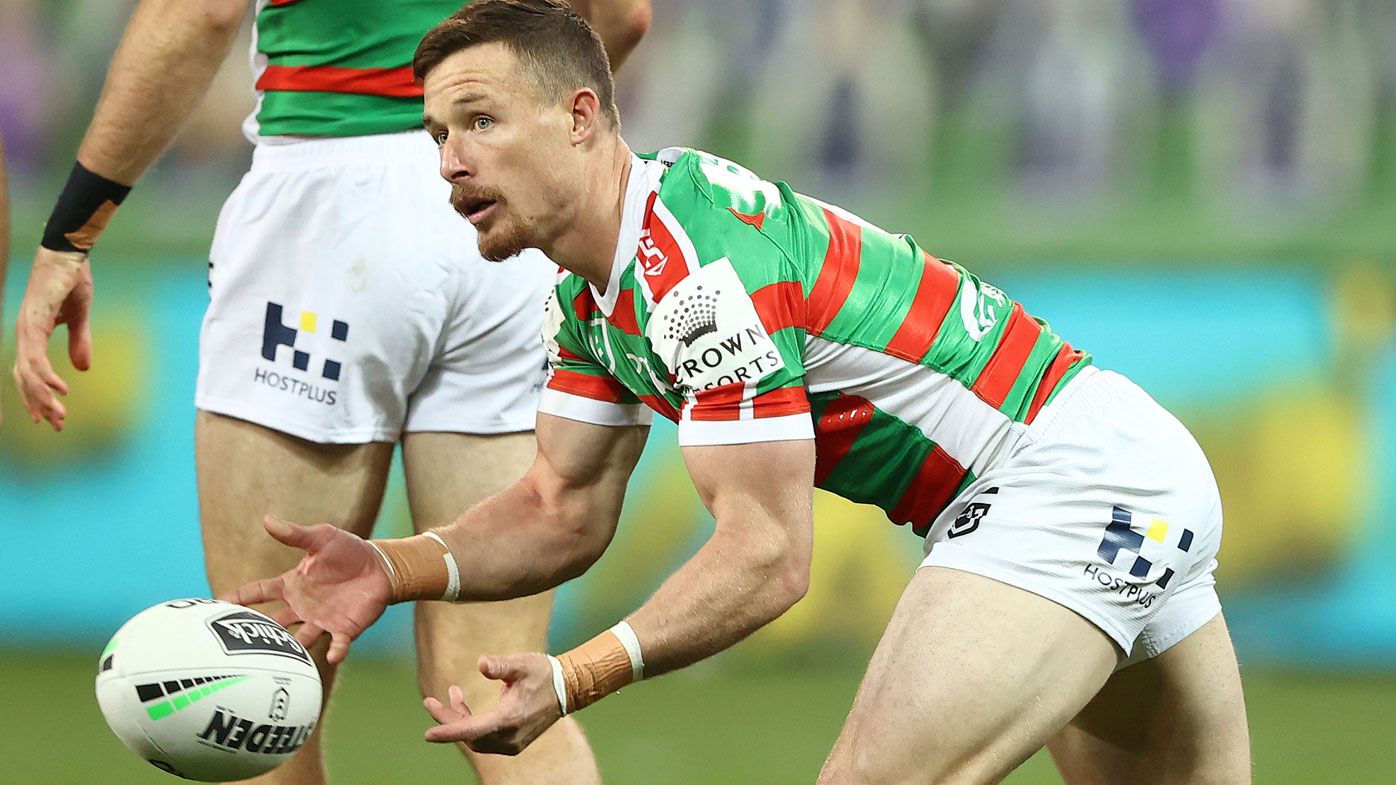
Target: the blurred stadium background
pixel 1202 193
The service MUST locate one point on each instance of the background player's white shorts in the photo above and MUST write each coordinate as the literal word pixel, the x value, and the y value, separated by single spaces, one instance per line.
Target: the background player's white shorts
pixel 349 303
pixel 1107 507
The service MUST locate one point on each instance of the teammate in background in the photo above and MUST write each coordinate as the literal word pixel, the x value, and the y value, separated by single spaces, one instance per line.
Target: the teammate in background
pixel 1066 597
pixel 4 242
pixel 349 309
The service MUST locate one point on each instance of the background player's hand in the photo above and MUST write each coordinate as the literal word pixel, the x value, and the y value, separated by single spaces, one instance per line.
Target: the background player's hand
pixel 339 587
pixel 527 707
pixel 59 292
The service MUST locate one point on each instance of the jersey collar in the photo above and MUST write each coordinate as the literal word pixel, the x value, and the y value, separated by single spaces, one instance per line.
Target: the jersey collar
pixel 643 181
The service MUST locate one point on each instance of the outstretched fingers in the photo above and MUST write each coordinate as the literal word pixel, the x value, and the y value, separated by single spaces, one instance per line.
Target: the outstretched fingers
pixel 339 647
pixel 309 633
pixel 455 720
pixel 286 616
pixel 265 590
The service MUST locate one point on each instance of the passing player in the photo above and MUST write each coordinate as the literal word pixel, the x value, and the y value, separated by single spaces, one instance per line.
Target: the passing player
pixel 349 309
pixel 1066 597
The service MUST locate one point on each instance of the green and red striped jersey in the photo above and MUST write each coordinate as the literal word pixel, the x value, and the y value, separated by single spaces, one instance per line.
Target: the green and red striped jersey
pixel 747 312
pixel 339 67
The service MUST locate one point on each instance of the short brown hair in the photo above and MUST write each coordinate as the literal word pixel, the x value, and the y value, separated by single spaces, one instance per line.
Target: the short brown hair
pixel 553 42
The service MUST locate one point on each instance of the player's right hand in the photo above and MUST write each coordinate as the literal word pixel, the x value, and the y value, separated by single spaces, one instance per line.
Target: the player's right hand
pixel 59 292
pixel 340 587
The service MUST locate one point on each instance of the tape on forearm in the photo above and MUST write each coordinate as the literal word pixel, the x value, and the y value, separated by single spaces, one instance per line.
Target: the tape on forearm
pixel 420 568
pixel 598 668
pixel 83 209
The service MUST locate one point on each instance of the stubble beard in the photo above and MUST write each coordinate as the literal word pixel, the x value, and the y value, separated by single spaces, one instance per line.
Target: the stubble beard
pixel 506 241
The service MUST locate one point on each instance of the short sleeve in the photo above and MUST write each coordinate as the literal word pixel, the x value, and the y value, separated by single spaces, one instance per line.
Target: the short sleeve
pixel 734 349
pixel 578 387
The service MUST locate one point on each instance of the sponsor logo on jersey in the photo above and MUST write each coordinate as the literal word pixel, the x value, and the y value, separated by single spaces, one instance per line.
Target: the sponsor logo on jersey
pixel 228 731
pixel 276 334
pixel 249 632
pixel 708 333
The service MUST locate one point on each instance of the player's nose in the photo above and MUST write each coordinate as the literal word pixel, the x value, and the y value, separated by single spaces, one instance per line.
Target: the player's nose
pixel 453 163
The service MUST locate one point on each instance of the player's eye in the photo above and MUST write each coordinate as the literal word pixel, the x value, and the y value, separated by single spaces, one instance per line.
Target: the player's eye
pixel 440 137
pixel 482 122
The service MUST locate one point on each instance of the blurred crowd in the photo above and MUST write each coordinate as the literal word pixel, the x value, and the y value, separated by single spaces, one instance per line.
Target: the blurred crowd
pixel 1285 102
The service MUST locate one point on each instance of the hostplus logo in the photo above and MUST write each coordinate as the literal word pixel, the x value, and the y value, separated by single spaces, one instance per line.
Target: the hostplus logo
pixel 276 334
pixel 1121 537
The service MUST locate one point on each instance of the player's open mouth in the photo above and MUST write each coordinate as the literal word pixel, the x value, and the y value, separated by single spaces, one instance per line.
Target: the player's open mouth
pixel 477 210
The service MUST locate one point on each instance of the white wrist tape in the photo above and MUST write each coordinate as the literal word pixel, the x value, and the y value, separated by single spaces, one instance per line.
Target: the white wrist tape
pixel 559 684
pixel 626 634
pixel 452 571
pixel 387 563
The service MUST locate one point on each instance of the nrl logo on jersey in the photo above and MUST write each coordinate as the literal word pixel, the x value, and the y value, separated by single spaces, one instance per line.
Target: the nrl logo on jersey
pixel 652 259
pixel 708 333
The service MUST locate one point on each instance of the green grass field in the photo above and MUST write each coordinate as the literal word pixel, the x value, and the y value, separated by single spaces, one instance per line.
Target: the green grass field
pixel 706 725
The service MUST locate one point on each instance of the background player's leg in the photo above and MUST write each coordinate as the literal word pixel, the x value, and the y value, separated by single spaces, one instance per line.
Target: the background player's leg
pixel 446 474
pixel 971 678
pixel 246 471
pixel 1176 718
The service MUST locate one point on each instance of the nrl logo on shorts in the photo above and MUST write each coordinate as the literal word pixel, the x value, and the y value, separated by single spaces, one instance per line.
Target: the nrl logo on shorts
pixel 249 632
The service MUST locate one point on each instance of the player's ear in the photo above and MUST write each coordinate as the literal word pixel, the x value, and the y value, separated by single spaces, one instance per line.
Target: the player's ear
pixel 586 114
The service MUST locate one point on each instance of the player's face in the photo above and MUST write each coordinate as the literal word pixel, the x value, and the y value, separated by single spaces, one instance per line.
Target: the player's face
pixel 504 148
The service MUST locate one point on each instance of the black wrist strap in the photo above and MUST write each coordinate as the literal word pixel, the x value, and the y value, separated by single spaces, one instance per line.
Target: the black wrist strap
pixel 83 210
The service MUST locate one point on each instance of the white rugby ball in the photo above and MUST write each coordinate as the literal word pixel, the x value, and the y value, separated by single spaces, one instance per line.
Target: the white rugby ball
pixel 208 690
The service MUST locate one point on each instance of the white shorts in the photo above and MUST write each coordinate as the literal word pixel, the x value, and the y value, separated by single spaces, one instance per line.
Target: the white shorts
pixel 1107 507
pixel 348 302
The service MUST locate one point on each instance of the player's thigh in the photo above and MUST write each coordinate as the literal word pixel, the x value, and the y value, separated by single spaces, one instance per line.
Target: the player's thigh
pixel 971 677
pixel 333 275
pixel 446 474
pixel 246 471
pixel 1175 718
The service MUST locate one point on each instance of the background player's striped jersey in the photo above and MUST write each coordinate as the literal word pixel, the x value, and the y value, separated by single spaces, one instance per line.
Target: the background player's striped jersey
pixel 748 312
pixel 339 67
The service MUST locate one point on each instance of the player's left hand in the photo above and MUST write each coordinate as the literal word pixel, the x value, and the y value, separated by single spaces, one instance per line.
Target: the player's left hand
pixel 59 292
pixel 527 707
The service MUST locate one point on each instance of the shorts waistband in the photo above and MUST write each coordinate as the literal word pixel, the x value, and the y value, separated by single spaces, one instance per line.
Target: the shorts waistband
pixel 323 151
pixel 1089 389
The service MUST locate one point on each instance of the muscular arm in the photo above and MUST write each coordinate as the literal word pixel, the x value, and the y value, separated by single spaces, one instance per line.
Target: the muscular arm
pixel 620 24
pixel 755 566
pixel 552 524
pixel 167 58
